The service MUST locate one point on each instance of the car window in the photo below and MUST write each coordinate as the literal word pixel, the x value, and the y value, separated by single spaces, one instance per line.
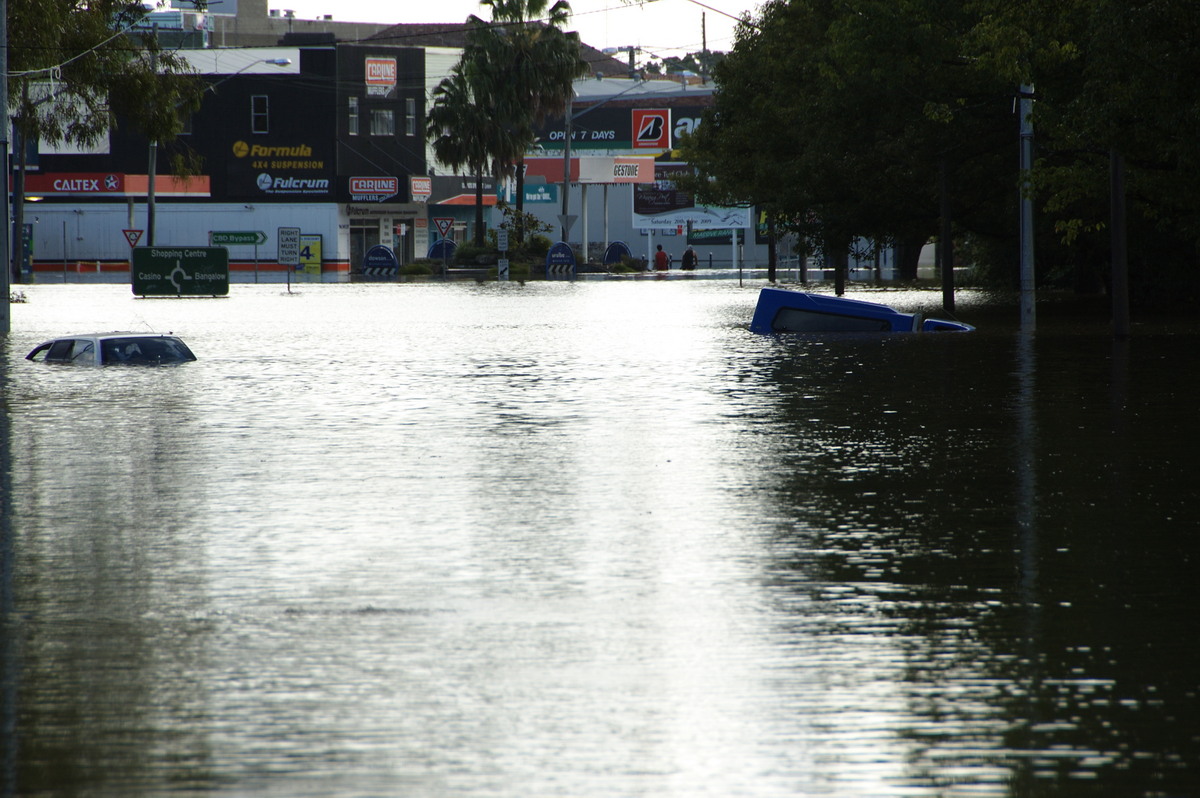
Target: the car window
pixel 60 350
pixel 83 351
pixel 39 353
pixel 145 350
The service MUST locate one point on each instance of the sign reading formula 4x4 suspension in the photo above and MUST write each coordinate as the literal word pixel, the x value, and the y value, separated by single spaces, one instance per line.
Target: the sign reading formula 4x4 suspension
pixel 180 271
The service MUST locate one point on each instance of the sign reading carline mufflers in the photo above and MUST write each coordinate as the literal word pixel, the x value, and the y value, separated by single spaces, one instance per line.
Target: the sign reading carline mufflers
pixel 180 271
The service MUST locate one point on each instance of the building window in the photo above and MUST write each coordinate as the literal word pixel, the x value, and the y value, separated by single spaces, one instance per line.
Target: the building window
pixel 260 117
pixel 352 120
pixel 383 122
pixel 410 117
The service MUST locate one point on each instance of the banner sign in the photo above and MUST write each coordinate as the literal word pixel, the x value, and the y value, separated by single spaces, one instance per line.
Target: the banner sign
pixel 279 168
pixel 616 170
pixel 75 183
pixel 661 206
pixel 613 128
pixel 661 196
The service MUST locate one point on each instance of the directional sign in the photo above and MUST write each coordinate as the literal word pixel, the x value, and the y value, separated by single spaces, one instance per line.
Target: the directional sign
pixel 288 241
pixel 443 223
pixel 380 261
pixel 442 248
pixel 560 260
pixel 234 237
pixel 132 236
pixel 616 250
pixel 180 271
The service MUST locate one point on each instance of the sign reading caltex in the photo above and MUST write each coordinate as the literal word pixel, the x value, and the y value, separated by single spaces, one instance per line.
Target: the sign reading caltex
pixel 180 271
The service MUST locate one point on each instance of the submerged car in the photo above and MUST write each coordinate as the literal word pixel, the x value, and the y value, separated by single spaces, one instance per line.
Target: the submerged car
pixel 106 349
pixel 781 310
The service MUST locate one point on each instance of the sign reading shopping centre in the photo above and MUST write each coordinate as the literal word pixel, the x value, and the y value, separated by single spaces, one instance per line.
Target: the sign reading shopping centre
pixel 180 271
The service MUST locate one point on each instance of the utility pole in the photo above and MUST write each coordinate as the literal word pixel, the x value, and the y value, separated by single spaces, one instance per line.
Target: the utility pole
pixel 1120 254
pixel 5 285
pixel 1028 308
pixel 566 189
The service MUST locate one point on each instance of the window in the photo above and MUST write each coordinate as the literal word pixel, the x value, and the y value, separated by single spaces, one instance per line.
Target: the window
pixel 410 117
pixel 383 122
pixel 260 117
pixel 352 119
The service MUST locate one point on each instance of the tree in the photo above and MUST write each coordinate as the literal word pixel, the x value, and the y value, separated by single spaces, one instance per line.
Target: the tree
pixel 1129 92
pixel 461 124
pixel 526 65
pixel 74 68
pixel 836 118
pixel 701 63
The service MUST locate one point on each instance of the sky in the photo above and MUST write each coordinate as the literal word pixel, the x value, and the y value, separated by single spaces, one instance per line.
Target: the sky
pixel 660 28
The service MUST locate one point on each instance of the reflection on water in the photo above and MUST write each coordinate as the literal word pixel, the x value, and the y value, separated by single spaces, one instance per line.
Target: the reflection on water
pixel 593 539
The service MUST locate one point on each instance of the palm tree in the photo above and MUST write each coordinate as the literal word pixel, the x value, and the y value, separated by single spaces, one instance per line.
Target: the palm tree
pixel 528 64
pixel 462 129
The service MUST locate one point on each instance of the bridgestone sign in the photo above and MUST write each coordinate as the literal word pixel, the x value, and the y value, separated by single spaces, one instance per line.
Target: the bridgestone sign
pixel 180 271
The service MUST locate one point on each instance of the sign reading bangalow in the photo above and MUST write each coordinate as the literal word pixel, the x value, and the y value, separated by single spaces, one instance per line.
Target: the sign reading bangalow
pixel 180 271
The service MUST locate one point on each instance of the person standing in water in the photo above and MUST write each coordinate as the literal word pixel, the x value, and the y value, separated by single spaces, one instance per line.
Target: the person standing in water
pixel 689 260
pixel 662 261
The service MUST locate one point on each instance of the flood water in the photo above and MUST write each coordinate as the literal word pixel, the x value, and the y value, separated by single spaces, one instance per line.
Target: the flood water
pixel 595 539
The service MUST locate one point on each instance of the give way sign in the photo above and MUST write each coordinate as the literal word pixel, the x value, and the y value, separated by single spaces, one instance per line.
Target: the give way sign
pixel 132 236
pixel 444 223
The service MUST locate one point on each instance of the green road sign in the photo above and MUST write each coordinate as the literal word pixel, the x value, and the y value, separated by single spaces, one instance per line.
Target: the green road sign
pixel 180 271
pixel 226 238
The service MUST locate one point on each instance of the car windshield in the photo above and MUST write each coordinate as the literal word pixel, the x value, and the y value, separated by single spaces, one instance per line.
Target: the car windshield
pixel 143 349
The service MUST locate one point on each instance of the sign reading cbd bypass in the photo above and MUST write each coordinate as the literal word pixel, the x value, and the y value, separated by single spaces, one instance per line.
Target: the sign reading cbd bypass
pixel 180 271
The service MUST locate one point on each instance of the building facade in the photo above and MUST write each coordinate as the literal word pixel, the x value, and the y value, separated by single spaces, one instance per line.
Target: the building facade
pixel 326 137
